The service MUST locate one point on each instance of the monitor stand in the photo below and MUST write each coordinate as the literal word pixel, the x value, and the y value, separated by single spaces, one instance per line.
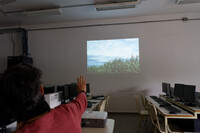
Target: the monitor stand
pixel 178 100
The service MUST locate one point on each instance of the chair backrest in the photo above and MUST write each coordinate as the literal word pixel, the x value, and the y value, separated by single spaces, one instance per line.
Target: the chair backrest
pixel 103 105
pixel 144 103
pixel 107 101
pixel 154 116
pixel 137 104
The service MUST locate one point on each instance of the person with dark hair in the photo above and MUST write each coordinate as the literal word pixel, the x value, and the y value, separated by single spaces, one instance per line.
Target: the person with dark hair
pixel 22 94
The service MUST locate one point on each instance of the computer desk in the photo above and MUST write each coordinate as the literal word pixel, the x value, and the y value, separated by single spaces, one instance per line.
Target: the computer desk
pixel 191 112
pixel 107 129
pixel 95 104
pixel 109 124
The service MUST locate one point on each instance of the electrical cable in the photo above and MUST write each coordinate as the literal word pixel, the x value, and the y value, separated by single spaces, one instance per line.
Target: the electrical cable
pixel 25 42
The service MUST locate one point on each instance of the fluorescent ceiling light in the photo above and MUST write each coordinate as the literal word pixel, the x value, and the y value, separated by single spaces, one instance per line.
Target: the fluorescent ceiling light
pixel 187 1
pixel 117 5
pixel 3 2
pixel 43 12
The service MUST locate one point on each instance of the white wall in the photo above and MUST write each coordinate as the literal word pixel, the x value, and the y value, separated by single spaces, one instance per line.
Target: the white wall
pixel 169 52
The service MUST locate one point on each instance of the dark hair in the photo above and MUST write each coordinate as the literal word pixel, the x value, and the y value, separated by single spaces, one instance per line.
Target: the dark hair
pixel 20 91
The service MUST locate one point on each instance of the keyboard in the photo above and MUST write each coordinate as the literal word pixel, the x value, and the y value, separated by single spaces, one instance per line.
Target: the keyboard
pixel 154 97
pixel 161 102
pixel 97 97
pixel 172 110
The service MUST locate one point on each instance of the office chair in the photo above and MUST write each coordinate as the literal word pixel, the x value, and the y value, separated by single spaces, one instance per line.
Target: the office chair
pixel 143 113
pixel 103 105
pixel 157 123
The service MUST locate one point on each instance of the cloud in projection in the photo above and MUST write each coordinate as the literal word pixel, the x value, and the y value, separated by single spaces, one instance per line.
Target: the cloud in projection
pixel 113 56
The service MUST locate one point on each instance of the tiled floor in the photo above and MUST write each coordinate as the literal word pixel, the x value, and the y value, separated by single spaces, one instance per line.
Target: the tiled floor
pixel 128 123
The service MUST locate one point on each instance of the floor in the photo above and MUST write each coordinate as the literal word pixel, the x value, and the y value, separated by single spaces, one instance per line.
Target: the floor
pixel 128 123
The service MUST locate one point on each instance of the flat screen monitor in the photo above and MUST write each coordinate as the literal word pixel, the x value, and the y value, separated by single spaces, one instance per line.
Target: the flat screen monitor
pixel 189 94
pixel 169 90
pixel 48 89
pixel 73 90
pixel 178 90
pixel 66 92
pixel 164 87
pixel 87 88
pixel 60 88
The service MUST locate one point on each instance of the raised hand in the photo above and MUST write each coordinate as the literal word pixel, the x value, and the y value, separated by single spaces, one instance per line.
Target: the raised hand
pixel 81 81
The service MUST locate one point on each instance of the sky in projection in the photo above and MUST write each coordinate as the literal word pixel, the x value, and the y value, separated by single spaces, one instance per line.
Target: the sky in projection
pixel 102 51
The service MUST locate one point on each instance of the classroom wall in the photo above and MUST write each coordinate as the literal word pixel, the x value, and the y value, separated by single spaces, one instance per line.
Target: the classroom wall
pixel 169 52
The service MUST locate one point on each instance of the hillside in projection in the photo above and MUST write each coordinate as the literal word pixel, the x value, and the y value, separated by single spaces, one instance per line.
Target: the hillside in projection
pixel 113 56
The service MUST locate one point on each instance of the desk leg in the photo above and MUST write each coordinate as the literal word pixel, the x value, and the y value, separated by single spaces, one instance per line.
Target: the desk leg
pixel 166 125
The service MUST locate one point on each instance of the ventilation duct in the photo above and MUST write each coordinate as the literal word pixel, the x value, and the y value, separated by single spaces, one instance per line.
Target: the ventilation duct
pixel 118 4
pixel 187 1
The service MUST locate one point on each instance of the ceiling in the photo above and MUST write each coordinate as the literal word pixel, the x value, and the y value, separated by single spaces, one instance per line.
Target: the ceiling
pixel 77 10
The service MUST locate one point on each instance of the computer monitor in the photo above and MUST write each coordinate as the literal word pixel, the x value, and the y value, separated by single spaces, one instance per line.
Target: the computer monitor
pixel 60 88
pixel 87 88
pixel 48 89
pixel 178 90
pixel 169 91
pixel 189 94
pixel 164 88
pixel 73 90
pixel 66 90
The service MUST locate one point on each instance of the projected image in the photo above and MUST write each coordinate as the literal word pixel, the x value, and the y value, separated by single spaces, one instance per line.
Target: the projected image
pixel 113 56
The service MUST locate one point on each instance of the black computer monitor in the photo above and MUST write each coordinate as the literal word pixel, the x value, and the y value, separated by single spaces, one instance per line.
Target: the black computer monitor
pixel 189 94
pixel 169 90
pixel 66 92
pixel 164 88
pixel 60 88
pixel 87 88
pixel 48 89
pixel 73 90
pixel 178 90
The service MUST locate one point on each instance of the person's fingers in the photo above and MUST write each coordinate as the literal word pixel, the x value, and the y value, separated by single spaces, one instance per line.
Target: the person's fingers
pixel 80 79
